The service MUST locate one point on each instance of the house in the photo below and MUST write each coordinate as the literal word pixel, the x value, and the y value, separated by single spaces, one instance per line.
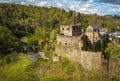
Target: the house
pixel 93 34
pixel 103 31
pixel 115 37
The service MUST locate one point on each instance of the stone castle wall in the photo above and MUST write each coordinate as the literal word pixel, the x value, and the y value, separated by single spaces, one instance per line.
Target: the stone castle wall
pixel 70 30
pixel 89 60
pixel 68 40
pixel 66 30
pixel 69 45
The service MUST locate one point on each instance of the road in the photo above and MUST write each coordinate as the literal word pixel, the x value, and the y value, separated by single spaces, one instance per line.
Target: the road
pixel 33 56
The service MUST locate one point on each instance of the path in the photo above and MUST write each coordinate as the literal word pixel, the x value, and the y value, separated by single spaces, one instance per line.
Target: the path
pixel 33 56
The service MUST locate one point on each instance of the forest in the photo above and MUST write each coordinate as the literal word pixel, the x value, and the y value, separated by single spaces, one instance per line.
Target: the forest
pixel 23 20
pixel 40 25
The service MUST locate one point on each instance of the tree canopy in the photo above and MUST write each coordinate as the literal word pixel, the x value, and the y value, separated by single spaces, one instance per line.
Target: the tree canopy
pixel 7 39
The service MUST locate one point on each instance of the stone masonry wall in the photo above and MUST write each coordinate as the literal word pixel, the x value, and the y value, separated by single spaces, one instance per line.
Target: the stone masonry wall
pixel 89 60
pixel 68 40
pixel 66 30
pixel 69 45
pixel 71 30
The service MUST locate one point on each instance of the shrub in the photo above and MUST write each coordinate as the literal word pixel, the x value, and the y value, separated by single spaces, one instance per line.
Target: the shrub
pixel 50 78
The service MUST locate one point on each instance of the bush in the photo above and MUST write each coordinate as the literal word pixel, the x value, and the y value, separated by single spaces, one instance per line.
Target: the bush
pixel 50 78
pixel 67 66
pixel 32 41
pixel 17 71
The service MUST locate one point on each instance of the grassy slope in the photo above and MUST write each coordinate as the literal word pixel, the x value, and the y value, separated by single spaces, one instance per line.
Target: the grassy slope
pixel 17 71
pixel 65 71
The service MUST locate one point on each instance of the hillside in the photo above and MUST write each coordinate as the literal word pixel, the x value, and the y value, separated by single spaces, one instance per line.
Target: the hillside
pixel 22 20
pixel 34 26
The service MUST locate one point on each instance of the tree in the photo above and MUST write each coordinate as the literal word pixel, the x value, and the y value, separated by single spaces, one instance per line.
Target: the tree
pixel 46 47
pixel 32 41
pixel 7 39
pixel 53 35
pixel 112 51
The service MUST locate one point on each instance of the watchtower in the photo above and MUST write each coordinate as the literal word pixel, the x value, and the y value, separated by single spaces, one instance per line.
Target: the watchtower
pixel 69 36
pixel 70 30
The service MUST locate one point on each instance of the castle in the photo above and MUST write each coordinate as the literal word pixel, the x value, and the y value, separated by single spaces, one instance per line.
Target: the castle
pixel 70 44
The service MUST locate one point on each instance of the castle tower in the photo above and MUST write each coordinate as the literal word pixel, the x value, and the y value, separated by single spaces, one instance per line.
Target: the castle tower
pixel 92 32
pixel 70 30
pixel 69 37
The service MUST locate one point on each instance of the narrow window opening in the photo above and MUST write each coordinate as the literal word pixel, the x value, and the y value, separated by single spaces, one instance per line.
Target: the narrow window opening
pixel 67 28
pixel 65 43
pixel 60 43
pixel 73 28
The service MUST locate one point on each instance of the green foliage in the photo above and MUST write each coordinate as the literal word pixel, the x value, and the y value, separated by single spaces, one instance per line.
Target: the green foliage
pixel 84 25
pixel 32 41
pixel 98 46
pixel 112 51
pixel 51 78
pixel 41 33
pixel 95 75
pixel 19 20
pixel 46 47
pixel 23 20
pixel 53 35
pixel 67 66
pixel 7 39
pixel 17 71
pixel 43 60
